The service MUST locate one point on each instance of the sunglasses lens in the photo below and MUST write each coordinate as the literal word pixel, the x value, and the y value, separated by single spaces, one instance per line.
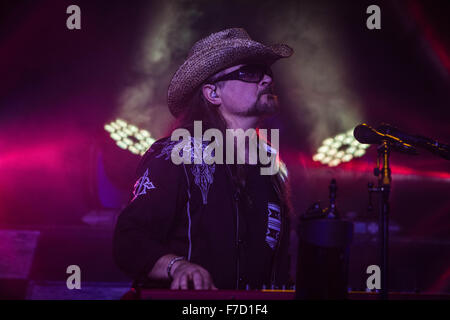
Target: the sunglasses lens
pixel 254 73
pixel 250 73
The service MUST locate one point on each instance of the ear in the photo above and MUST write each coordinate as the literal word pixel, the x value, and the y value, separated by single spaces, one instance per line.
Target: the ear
pixel 210 92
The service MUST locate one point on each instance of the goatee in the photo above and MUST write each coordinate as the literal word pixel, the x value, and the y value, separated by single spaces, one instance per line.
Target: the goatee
pixel 266 105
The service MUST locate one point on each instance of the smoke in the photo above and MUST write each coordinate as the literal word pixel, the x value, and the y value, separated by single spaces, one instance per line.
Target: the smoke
pixel 167 37
pixel 317 77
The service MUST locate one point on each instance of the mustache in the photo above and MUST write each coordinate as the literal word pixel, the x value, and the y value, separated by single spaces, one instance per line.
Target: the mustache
pixel 268 90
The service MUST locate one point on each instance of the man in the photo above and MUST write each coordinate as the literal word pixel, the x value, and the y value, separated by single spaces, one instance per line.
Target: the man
pixel 209 226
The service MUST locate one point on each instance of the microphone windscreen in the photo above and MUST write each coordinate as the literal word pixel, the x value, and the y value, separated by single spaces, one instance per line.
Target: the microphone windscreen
pixel 366 134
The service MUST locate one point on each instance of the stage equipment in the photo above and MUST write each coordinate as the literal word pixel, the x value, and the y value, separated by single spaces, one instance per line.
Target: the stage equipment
pixel 389 138
pixel 323 252
pixel 129 137
pixel 432 145
pixel 342 148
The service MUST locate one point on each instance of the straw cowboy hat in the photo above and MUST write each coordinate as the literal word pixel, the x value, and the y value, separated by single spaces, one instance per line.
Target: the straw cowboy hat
pixel 214 53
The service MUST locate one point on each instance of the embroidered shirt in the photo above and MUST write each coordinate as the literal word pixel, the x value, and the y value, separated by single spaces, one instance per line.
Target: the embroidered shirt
pixel 240 235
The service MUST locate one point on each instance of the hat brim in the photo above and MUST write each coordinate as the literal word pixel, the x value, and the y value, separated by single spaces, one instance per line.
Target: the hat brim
pixel 202 65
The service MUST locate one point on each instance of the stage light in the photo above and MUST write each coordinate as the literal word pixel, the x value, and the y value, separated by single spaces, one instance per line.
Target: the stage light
pixel 109 128
pixel 332 152
pixel 133 128
pixel 145 133
pixel 348 140
pixel 122 134
pixel 336 145
pixel 323 149
pixel 121 123
pixel 134 150
pixel 115 126
pixel 127 131
pixel 334 162
pixel 116 136
pixel 326 160
pixel 122 145
pixel 347 158
pixel 340 154
pixel 129 137
pixel 359 152
pixel 128 141
pixel 318 157
pixel 342 148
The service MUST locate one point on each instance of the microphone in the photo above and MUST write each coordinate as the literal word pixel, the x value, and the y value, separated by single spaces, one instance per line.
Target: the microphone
pixel 367 135
pixel 431 145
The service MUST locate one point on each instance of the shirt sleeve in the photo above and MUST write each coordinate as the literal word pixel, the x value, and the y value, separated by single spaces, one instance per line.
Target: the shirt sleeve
pixel 143 228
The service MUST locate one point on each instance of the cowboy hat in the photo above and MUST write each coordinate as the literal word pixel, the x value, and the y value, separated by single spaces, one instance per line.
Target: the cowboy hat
pixel 214 53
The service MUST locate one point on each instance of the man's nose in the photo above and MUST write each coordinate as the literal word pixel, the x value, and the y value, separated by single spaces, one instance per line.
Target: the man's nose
pixel 266 80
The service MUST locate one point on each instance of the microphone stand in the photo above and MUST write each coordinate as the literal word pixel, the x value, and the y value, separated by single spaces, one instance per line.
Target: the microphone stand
pixel 383 189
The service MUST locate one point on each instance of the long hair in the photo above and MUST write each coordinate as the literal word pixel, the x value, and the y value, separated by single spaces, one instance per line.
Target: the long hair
pixel 198 108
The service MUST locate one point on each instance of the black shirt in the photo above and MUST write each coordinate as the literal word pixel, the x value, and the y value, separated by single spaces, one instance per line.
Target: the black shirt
pixel 260 227
pixel 237 231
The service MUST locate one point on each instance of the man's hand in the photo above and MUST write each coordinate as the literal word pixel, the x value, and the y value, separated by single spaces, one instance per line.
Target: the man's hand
pixel 184 272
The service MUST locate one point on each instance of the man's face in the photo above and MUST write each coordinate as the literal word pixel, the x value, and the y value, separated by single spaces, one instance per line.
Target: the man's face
pixel 247 98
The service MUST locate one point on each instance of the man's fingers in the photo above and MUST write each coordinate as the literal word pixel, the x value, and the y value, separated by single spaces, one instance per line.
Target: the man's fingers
pixel 198 280
pixel 175 283
pixel 211 285
pixel 207 280
pixel 184 279
pixel 187 274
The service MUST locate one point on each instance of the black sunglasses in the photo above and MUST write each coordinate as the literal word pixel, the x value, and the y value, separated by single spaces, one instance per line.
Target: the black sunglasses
pixel 253 73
